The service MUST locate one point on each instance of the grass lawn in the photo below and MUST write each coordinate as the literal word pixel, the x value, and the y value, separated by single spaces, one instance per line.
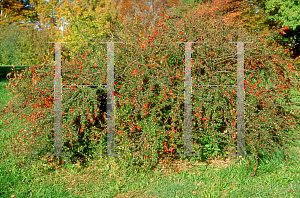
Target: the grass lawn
pixel 104 177
pixel 4 97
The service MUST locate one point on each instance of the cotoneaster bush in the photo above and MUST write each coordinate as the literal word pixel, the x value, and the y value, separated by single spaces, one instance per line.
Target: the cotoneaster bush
pixel 37 98
pixel 158 103
pixel 149 95
pixel 260 62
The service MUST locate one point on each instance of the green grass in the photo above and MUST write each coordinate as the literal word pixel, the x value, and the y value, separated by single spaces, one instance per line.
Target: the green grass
pixel 4 97
pixel 107 177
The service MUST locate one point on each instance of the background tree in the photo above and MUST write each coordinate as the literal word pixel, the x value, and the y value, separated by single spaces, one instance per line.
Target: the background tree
pixel 268 15
pixel 287 12
pixel 83 20
pixel 20 43
pixel 22 46
pixel 16 11
pixel 144 12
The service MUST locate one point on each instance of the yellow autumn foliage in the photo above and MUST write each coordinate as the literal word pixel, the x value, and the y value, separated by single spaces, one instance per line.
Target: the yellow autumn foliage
pixel 82 20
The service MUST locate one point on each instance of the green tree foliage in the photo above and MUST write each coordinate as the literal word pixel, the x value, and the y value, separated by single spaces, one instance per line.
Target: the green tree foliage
pixel 276 19
pixel 8 45
pixel 22 45
pixel 287 12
